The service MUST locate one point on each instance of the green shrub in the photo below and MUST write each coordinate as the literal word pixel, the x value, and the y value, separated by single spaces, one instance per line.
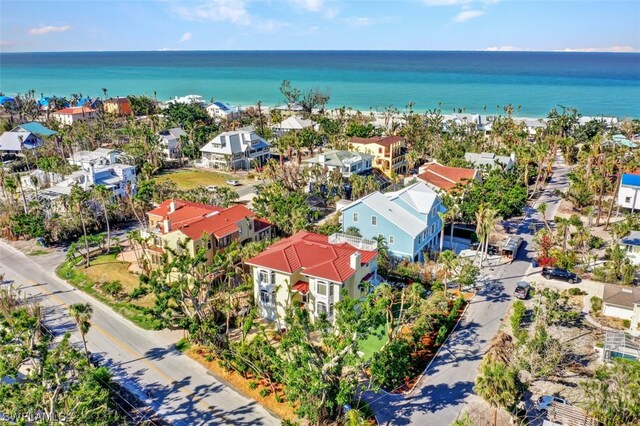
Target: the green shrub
pixel 264 392
pixel 390 366
pixel 443 332
pixel 596 304
pixel 113 289
pixel 519 311
pixel 138 292
pixel 626 323
pixel 437 286
pixel 575 291
pixel 253 384
pixel 183 344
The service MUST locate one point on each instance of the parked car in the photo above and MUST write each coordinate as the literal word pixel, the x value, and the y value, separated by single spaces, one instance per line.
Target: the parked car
pixel 212 188
pixel 233 182
pixel 522 290
pixel 544 402
pixel 559 274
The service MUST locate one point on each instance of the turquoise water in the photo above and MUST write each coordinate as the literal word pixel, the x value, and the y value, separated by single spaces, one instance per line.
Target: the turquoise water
pixel 595 83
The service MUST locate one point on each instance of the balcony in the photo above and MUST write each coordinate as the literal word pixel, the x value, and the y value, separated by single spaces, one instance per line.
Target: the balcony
pixel 357 242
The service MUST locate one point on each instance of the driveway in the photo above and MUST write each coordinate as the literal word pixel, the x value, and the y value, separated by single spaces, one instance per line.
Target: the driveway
pixel 447 385
pixel 182 390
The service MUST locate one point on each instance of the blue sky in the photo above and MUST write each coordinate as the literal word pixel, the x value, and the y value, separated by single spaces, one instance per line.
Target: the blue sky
pixel 72 25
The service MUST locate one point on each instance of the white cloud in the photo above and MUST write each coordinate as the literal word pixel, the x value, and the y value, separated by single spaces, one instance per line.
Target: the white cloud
pixel 310 5
pixel 48 29
pixel 467 15
pixel 445 2
pixel 613 49
pixel 505 49
pixel 216 10
pixel 185 37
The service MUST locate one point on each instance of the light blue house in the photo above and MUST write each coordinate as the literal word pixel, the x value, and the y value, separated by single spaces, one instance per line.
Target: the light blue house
pixel 407 219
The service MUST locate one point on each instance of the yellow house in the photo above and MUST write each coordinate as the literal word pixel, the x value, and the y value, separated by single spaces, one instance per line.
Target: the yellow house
pixel 389 152
pixel 200 225
pixel 314 269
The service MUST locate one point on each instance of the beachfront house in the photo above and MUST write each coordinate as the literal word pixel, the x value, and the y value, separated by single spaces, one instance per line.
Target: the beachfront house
pixel 314 270
pixel 444 178
pixel 187 100
pixel 407 219
pixel 170 142
pixel 347 162
pixel 200 225
pixel 68 116
pixel 292 124
pixel 489 160
pixel 628 197
pixel 120 106
pixel 235 150
pixel 389 152
pixel 224 111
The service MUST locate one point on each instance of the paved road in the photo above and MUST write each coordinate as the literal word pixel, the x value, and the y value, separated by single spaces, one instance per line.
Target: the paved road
pixel 182 390
pixel 447 386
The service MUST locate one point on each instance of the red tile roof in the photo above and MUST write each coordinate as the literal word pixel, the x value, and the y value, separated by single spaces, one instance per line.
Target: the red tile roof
pixel 218 224
pixel 384 141
pixel 185 212
pixel 313 255
pixel 76 110
pixel 445 177
pixel 301 286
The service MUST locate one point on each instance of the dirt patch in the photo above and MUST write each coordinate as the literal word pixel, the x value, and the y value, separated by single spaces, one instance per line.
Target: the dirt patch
pixel 611 322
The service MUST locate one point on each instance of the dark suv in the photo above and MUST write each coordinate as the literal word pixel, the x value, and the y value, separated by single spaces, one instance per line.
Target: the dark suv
pixel 559 274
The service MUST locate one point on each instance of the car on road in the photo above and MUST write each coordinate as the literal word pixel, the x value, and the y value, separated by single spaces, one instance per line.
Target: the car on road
pixel 559 274
pixel 492 250
pixel 233 182
pixel 212 188
pixel 544 402
pixel 522 290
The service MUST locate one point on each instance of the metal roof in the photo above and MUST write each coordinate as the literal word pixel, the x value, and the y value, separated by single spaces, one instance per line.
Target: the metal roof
pixel 630 180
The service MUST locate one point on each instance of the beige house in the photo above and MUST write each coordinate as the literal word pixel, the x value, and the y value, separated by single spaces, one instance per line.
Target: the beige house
pixel 68 116
pixel 389 152
pixel 316 269
pixel 200 225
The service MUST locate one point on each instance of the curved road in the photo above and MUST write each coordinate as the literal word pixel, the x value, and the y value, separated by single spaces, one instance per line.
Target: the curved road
pixel 447 386
pixel 182 391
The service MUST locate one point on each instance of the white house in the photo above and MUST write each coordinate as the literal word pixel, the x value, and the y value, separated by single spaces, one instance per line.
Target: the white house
pixel 239 149
pixel 490 160
pixel 622 302
pixel 224 111
pixel 169 141
pixel 98 157
pixel 16 141
pixel 292 123
pixel 68 116
pixel 628 196
pixel 188 99
pixel 348 162
pixel 631 245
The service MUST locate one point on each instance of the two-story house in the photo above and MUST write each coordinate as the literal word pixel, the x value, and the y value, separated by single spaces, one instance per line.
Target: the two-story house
pixel 489 160
pixel 628 196
pixel 200 225
pixel 224 111
pixel 120 106
pixel 292 124
pixel 314 269
pixel 347 162
pixel 170 141
pixel 407 219
pixel 389 152
pixel 68 116
pixel 236 150
pixel 446 179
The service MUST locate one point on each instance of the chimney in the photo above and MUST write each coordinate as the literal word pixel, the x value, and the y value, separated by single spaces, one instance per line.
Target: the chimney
pixel 354 260
pixel 166 226
pixel 322 158
pixel 172 206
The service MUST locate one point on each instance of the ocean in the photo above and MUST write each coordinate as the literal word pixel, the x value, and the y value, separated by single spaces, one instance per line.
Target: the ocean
pixel 475 82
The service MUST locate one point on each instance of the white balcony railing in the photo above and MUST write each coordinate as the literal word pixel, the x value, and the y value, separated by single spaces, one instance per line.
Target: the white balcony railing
pixel 357 242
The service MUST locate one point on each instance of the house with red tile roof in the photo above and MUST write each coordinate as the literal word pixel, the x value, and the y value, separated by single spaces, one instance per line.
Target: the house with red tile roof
pixel 389 152
pixel 445 178
pixel 314 269
pixel 70 115
pixel 201 225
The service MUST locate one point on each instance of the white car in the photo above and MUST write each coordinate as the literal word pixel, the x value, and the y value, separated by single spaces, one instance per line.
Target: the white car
pixel 233 182
pixel 212 188
pixel 544 402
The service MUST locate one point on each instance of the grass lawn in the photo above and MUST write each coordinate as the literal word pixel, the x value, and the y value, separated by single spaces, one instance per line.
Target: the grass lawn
pixel 194 178
pixel 374 342
pixel 106 268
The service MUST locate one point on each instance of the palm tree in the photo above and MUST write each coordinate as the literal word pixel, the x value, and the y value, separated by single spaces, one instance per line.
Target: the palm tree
pixel 443 219
pixel 542 209
pixel 448 261
pixel 498 385
pixel 78 198
pixel 81 313
pixel 104 195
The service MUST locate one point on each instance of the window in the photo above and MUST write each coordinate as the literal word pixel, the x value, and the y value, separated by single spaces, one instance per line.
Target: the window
pixel 330 290
pixel 305 298
pixel 321 288
pixel 321 308
pixel 263 277
pixel 266 297
pixel 209 245
pixel 379 150
pixel 356 217
pixel 627 199
pixel 392 239
pixel 374 220
pixel 331 310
